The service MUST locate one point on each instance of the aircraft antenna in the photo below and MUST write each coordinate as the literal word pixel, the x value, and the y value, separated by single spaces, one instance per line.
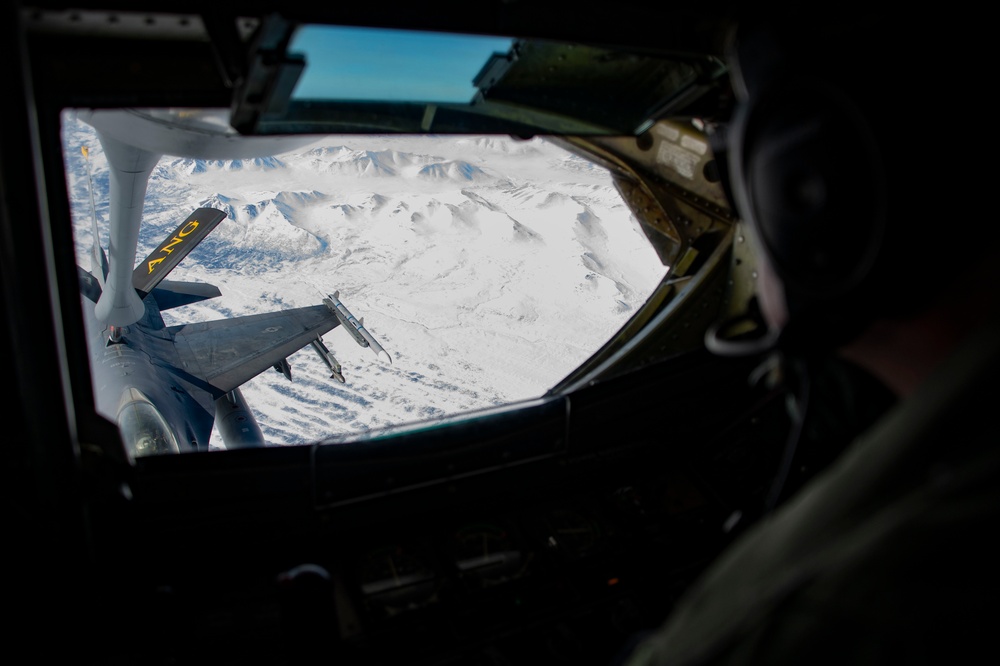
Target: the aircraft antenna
pixel 98 260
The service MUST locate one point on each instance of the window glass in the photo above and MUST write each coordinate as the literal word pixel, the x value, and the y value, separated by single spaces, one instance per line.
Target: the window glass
pixel 349 63
pixel 487 267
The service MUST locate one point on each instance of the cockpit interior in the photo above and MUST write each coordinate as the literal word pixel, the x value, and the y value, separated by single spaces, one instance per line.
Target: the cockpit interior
pixel 555 529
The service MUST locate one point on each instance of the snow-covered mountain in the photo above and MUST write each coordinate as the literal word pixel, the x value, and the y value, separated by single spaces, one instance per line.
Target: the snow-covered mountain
pixel 488 267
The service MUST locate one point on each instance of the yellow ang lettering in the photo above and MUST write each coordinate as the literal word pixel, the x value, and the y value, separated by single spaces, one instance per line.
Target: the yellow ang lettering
pixel 184 231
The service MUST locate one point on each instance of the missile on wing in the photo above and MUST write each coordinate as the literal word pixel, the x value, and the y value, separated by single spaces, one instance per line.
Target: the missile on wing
pixel 347 320
pixel 354 327
pixel 329 359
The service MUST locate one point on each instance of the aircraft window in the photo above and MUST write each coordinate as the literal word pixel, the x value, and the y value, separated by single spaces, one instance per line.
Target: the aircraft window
pixel 391 65
pixel 484 268
pixel 309 79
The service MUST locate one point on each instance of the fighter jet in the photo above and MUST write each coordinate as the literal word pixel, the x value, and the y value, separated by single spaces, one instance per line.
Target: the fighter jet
pixel 165 386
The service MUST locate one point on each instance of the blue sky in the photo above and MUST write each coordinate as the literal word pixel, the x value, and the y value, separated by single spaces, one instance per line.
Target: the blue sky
pixel 390 65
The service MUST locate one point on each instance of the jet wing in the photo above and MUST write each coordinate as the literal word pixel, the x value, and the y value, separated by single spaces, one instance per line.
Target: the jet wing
pixel 228 352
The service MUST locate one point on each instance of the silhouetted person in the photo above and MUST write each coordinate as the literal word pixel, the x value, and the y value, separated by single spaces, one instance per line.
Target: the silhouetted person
pixel 869 250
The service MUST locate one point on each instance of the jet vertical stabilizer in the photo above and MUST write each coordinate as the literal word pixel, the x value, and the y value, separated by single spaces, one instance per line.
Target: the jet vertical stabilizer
pixel 174 247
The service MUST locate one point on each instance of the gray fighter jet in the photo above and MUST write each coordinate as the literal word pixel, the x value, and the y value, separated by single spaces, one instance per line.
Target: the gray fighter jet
pixel 165 386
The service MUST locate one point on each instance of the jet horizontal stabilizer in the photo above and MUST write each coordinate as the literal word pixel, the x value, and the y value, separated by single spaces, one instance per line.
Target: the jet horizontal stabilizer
pixel 174 248
pixel 173 294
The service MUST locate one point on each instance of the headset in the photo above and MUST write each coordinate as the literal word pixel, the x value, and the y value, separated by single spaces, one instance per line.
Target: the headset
pixel 804 165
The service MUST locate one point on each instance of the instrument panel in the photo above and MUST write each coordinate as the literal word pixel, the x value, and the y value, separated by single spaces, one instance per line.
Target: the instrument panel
pixel 530 538
pixel 564 579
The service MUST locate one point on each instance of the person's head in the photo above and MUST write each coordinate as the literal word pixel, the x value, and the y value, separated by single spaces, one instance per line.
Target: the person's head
pixel 832 165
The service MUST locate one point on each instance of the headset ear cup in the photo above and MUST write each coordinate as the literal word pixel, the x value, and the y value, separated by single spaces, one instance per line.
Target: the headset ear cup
pixel 813 188
pixel 806 176
pixel 805 169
